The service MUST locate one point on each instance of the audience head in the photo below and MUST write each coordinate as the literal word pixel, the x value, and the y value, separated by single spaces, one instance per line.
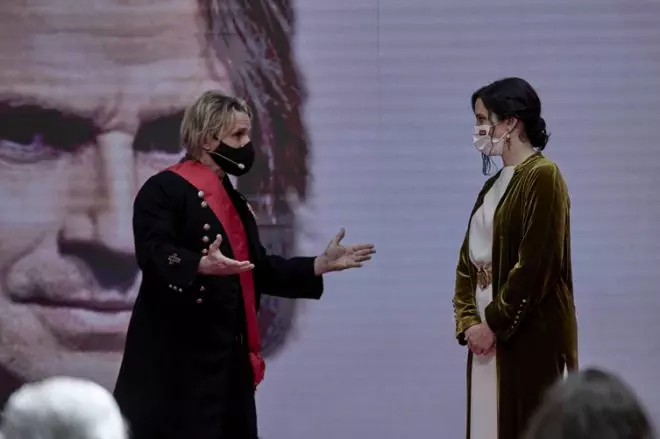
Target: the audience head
pixel 62 408
pixel 590 404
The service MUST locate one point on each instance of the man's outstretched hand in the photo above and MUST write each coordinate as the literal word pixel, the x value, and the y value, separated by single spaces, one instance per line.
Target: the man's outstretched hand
pixel 337 257
pixel 217 264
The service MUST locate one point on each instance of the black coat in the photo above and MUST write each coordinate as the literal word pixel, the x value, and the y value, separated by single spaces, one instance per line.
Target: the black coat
pixel 185 372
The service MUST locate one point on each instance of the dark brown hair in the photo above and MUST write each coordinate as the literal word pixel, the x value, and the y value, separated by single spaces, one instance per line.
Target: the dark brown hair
pixel 254 39
pixel 590 404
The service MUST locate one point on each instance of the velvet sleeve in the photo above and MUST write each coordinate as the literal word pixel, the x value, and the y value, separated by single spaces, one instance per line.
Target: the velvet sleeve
pixel 155 230
pixel 466 313
pixel 539 255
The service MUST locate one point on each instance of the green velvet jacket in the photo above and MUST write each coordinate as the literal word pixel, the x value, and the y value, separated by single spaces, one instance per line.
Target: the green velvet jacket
pixel 532 313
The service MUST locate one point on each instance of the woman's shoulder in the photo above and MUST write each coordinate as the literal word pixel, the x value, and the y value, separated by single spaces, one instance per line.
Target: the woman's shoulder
pixel 545 164
pixel 545 172
pixel 540 166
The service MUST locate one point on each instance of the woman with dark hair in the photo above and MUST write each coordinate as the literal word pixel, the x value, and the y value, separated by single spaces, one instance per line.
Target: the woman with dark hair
pixel 513 296
pixel 591 404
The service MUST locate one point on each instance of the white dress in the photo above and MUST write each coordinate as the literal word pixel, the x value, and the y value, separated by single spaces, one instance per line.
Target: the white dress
pixel 483 391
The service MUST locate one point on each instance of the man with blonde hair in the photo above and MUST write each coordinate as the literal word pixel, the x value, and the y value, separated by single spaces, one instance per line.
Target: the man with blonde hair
pixel 192 360
pixel 62 408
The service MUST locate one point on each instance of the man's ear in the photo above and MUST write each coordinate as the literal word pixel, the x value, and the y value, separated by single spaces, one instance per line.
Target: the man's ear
pixel 209 143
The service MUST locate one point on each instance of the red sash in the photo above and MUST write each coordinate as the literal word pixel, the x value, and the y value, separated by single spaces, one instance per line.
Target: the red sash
pixel 218 200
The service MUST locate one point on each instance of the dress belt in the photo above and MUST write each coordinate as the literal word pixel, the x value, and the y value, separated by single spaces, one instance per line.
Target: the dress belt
pixel 484 275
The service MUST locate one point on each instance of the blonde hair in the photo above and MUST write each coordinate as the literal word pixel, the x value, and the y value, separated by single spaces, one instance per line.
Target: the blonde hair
pixel 211 115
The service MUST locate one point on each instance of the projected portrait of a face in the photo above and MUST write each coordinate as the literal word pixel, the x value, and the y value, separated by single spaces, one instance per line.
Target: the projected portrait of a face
pixel 91 98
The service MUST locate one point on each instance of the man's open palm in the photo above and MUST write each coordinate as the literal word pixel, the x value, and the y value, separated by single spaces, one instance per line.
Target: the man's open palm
pixel 215 263
pixel 341 257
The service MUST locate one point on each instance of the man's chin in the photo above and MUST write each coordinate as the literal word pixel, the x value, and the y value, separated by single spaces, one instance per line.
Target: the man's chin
pixel 40 341
pixel 101 368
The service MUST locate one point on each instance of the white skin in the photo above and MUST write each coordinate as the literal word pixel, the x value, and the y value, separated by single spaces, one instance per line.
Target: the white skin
pixel 336 256
pixel 480 338
pixel 107 69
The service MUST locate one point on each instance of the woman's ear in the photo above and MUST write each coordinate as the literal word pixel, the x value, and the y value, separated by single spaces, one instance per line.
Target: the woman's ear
pixel 511 122
pixel 513 125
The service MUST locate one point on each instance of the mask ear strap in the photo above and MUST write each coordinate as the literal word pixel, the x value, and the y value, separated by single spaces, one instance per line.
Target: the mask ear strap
pixel 507 136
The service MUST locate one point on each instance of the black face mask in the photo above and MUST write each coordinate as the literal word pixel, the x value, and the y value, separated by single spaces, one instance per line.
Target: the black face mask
pixel 234 161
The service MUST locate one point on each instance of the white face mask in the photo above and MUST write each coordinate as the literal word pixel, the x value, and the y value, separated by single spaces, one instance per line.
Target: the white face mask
pixel 485 144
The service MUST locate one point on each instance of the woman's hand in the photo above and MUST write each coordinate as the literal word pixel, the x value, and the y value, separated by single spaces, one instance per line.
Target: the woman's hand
pixel 481 340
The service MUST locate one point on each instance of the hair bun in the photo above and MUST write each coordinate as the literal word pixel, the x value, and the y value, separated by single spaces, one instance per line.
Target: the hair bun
pixel 538 134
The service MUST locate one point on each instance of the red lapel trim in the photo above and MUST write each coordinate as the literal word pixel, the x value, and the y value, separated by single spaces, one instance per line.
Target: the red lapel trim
pixel 206 181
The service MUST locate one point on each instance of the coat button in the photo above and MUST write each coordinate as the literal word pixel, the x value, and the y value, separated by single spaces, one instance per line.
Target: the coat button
pixel 202 288
pixel 200 194
pixel 199 301
pixel 205 251
pixel 204 204
pixel 207 227
pixel 205 239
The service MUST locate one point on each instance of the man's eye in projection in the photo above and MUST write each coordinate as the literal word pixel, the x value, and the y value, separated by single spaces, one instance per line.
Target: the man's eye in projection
pixel 31 133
